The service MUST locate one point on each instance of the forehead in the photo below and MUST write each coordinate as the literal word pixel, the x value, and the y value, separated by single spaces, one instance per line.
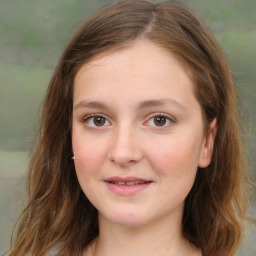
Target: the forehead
pixel 142 54
pixel 143 67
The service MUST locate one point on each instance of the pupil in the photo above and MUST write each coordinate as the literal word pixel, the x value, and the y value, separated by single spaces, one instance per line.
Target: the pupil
pixel 99 121
pixel 160 120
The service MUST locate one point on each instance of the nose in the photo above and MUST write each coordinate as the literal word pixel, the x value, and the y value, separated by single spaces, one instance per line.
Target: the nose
pixel 125 148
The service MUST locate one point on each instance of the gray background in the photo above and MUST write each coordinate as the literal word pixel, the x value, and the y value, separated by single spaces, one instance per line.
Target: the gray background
pixel 33 35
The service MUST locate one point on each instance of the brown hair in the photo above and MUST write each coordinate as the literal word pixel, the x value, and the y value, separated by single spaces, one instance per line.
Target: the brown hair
pixel 58 212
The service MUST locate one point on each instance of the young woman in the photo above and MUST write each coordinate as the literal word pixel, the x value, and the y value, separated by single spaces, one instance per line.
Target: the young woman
pixel 139 151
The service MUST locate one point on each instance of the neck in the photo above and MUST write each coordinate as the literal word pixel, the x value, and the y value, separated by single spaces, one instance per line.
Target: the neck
pixel 160 238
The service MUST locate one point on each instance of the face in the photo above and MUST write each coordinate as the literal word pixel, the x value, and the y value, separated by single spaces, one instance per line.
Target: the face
pixel 138 135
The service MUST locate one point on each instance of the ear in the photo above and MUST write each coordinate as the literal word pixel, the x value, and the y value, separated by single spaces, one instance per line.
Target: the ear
pixel 208 145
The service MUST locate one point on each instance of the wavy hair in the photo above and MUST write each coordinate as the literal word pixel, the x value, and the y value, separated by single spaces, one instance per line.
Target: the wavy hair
pixel 58 212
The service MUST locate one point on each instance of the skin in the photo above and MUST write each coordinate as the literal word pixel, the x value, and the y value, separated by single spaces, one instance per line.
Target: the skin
pixel 129 89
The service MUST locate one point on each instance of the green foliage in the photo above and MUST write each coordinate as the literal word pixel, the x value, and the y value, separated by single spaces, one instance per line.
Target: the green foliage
pixel 22 89
pixel 225 15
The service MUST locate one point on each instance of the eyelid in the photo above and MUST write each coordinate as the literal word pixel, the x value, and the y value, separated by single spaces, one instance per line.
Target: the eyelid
pixel 87 117
pixel 93 115
pixel 149 117
pixel 169 117
pixel 161 114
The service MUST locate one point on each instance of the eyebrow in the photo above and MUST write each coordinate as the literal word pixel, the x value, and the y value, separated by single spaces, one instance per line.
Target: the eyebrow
pixel 160 102
pixel 90 104
pixel 142 105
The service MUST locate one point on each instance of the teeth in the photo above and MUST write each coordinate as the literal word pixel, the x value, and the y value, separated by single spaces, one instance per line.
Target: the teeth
pixel 120 182
pixel 129 183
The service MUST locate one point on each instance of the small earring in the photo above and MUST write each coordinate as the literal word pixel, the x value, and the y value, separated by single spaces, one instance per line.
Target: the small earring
pixel 73 157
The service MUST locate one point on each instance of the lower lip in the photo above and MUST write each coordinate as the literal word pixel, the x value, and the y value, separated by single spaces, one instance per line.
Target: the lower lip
pixel 127 190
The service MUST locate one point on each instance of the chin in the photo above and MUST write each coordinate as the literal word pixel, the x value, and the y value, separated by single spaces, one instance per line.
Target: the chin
pixel 125 219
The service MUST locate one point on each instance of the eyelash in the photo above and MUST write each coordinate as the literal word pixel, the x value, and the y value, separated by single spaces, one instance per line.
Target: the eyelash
pixel 87 118
pixel 167 117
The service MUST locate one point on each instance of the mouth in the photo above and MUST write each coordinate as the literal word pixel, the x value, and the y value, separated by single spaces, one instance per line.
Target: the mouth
pixel 127 181
pixel 127 185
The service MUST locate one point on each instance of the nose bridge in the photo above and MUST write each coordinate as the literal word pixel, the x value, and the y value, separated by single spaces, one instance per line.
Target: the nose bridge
pixel 125 145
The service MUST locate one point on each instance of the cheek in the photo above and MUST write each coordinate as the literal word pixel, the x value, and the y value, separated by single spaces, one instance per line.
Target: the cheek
pixel 89 154
pixel 88 164
pixel 177 157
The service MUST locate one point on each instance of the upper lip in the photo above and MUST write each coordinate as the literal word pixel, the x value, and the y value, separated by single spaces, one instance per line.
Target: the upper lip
pixel 125 179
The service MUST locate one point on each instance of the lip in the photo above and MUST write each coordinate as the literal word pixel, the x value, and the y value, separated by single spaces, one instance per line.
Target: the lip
pixel 127 190
pixel 125 179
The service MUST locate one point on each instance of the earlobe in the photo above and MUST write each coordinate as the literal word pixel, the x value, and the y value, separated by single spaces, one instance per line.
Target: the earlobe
pixel 208 145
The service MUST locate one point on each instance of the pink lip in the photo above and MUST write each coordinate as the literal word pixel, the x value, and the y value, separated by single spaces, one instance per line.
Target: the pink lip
pixel 127 190
pixel 125 179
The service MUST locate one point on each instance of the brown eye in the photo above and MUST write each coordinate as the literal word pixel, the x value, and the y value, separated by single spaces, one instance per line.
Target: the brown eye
pixel 159 120
pixel 95 120
pixel 99 120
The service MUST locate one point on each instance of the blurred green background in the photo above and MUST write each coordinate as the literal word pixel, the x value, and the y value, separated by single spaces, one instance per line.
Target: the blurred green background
pixel 33 35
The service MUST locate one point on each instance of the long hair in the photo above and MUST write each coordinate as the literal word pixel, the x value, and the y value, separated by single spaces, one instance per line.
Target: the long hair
pixel 58 212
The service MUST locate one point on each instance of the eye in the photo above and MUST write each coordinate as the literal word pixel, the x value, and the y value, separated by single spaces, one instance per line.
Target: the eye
pixel 95 120
pixel 160 120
